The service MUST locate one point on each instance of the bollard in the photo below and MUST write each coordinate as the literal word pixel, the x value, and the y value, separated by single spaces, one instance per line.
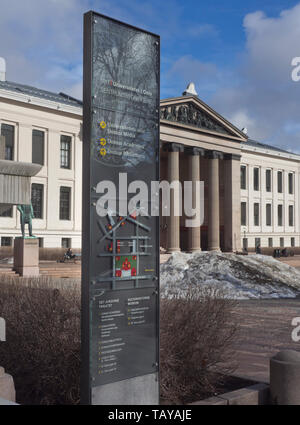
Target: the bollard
pixel 7 387
pixel 285 378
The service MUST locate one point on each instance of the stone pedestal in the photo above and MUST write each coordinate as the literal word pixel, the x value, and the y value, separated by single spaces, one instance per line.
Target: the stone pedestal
pixel 285 378
pixel 7 387
pixel 26 256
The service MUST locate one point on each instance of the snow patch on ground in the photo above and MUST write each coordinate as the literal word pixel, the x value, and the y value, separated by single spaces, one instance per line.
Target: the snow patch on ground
pixel 8 260
pixel 237 276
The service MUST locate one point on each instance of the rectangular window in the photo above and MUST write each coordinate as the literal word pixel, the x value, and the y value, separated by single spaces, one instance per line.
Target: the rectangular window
pixel 256 178
pixel 65 203
pixel 280 215
pixel 243 213
pixel 6 241
pixel 268 181
pixel 8 131
pixel 243 177
pixel 256 214
pixel 292 241
pixel 279 181
pixel 270 242
pixel 257 242
pixel 269 214
pixel 281 241
pixel 6 211
pixel 291 215
pixel 37 199
pixel 38 141
pixel 66 242
pixel 65 151
pixel 291 183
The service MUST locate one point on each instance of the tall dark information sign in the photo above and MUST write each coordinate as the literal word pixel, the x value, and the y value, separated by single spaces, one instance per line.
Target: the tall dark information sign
pixel 120 242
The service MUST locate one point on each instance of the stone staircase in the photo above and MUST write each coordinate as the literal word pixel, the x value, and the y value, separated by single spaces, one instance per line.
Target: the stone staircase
pixel 61 271
pixel 8 271
pixel 48 268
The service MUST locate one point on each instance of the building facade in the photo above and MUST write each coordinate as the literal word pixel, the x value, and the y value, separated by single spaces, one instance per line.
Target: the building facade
pixel 251 190
pixel 44 128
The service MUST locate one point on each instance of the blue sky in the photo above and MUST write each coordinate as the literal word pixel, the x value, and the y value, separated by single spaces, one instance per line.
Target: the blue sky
pixel 237 53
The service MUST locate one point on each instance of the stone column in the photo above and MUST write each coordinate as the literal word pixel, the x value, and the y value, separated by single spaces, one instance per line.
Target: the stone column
pixel 2 147
pixel 194 233
pixel 173 222
pixel 232 203
pixel 213 201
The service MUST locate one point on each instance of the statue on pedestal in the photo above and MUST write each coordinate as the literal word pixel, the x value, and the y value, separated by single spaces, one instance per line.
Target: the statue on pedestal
pixel 26 216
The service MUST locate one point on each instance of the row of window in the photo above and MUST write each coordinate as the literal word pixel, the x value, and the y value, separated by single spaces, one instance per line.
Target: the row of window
pixel 270 242
pixel 256 180
pixel 8 241
pixel 256 214
pixel 37 200
pixel 38 146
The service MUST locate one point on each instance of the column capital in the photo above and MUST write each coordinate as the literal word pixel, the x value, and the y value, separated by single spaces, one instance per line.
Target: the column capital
pixel 214 154
pixel 173 147
pixel 232 156
pixel 192 150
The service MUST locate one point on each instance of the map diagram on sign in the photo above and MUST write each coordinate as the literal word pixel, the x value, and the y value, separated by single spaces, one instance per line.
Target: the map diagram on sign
pixel 125 248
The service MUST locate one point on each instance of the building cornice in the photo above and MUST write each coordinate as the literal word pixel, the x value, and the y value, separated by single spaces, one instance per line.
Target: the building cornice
pixel 269 152
pixel 37 101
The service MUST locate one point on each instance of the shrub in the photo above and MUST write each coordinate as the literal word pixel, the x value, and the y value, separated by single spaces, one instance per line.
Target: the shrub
pixel 42 348
pixel 196 334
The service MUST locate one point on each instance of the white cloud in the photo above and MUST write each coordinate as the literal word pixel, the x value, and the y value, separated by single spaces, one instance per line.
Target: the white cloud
pixel 41 40
pixel 202 30
pixel 265 93
pixel 242 119
pixel 192 69
pixel 34 37
pixel 188 69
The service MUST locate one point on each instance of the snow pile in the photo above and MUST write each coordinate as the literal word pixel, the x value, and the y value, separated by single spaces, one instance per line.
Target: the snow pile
pixel 8 260
pixel 238 276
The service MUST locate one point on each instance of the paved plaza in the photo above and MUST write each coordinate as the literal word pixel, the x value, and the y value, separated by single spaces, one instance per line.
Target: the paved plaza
pixel 265 329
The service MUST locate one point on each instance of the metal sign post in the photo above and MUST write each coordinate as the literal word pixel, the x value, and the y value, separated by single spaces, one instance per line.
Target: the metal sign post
pixel 120 250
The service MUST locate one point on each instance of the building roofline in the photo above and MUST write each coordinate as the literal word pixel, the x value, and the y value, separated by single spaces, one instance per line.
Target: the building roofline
pixel 64 103
pixel 38 97
pixel 259 147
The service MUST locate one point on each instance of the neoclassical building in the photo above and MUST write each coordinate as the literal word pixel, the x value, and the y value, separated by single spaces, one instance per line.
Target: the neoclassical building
pixel 251 190
pixel 44 128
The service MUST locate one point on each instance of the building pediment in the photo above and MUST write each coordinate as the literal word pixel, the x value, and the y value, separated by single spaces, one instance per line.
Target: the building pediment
pixel 191 111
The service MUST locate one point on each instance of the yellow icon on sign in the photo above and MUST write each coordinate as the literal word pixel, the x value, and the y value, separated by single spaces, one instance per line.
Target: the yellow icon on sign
pixel 102 124
pixel 103 141
pixel 103 152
